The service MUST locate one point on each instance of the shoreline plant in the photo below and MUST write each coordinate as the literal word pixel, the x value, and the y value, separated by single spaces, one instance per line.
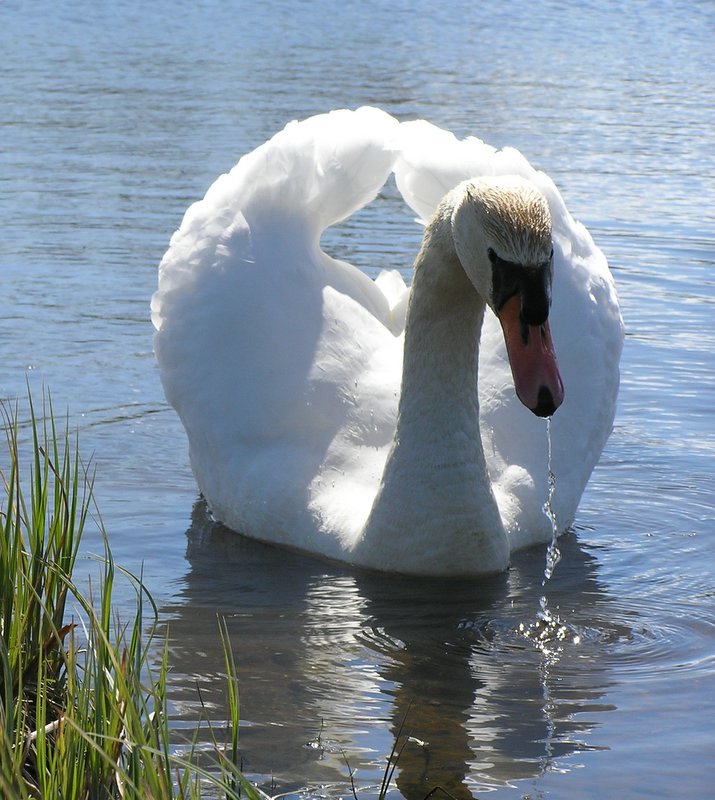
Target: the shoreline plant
pixel 83 711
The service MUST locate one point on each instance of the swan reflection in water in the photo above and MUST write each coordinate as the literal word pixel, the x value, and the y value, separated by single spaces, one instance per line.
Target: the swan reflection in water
pixel 335 665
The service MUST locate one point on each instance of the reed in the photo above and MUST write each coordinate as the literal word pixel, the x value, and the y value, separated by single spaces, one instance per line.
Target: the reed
pixel 83 710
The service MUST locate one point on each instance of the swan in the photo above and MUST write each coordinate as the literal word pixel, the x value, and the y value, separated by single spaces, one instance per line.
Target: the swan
pixel 391 427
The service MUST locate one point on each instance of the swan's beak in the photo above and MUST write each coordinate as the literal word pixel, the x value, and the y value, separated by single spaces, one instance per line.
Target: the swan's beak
pixel 533 361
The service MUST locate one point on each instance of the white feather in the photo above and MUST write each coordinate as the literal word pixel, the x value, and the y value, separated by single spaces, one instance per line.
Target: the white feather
pixel 285 364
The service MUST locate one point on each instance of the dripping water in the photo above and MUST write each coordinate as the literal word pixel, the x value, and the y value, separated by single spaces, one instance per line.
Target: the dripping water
pixel 551 622
pixel 553 554
pixel 548 631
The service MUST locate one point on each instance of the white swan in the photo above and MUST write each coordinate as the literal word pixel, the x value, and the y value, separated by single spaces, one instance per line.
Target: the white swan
pixel 286 365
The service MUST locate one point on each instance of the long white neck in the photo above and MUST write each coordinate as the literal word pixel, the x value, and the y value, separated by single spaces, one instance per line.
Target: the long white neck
pixel 435 511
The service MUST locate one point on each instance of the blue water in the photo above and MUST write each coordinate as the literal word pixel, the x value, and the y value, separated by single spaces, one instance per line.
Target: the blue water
pixel 115 116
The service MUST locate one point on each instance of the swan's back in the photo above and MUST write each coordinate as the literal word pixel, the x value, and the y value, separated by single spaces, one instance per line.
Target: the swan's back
pixel 268 347
pixel 285 364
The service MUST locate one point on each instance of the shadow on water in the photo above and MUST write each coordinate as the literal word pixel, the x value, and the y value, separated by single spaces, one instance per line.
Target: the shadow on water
pixel 481 683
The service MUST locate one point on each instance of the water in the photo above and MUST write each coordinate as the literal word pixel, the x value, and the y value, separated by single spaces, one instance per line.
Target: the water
pixel 599 682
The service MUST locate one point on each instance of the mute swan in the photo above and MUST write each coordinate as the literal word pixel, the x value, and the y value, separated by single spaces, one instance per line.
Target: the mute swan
pixel 286 365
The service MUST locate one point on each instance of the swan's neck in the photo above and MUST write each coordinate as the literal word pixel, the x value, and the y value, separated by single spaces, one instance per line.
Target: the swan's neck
pixel 435 504
pixel 439 402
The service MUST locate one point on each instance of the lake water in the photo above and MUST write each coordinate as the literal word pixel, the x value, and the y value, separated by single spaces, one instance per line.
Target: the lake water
pixel 116 115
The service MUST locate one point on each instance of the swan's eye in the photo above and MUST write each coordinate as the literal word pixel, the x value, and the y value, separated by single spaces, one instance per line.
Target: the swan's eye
pixel 506 279
pixel 532 283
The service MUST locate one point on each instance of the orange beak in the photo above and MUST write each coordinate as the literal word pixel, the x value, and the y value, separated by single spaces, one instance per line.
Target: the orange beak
pixel 533 361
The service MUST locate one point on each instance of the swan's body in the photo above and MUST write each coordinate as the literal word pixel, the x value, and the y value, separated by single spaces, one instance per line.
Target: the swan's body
pixel 286 366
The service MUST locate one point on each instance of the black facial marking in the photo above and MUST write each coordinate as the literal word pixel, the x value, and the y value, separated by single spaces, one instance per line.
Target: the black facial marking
pixel 531 282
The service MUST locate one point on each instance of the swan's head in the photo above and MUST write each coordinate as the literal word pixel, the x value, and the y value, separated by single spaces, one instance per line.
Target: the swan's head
pixel 502 235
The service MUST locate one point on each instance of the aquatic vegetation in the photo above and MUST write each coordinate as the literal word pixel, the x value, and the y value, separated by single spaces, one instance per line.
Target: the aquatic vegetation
pixel 83 710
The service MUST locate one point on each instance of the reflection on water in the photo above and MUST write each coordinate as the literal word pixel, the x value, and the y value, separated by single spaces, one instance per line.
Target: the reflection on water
pixel 336 665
